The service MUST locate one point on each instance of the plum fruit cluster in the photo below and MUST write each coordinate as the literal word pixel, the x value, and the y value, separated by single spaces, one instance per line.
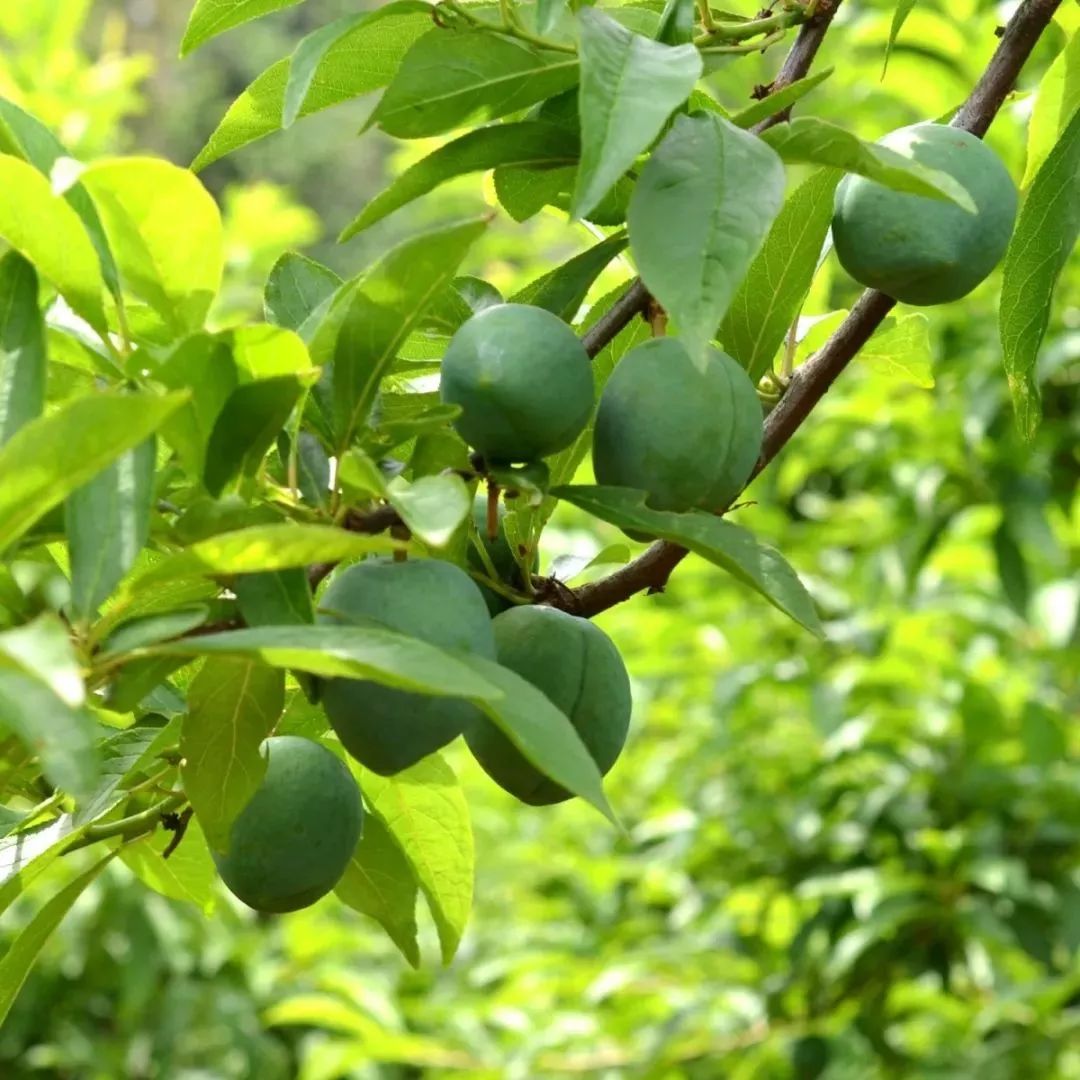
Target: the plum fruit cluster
pixel 684 430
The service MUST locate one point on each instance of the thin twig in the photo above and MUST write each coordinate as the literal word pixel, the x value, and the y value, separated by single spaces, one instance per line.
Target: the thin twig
pixel 811 381
pixel 798 60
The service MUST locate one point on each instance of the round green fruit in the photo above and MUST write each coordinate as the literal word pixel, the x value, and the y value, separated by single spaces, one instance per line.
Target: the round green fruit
pixel 578 668
pixel 385 729
pixel 499 552
pixel 523 381
pixel 687 435
pixel 810 1057
pixel 919 250
pixel 293 840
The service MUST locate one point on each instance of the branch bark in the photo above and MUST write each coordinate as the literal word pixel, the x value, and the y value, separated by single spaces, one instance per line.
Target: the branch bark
pixel 798 60
pixel 651 570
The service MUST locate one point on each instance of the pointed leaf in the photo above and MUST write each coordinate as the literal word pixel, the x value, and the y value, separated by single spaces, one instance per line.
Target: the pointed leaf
pixel 528 143
pixel 698 216
pixel 232 706
pixel 900 349
pixel 365 59
pixel 775 286
pixel 810 141
pixel 432 507
pixel 22 346
pixel 275 598
pixel 380 881
pixel 25 856
pixel 188 874
pixel 376 313
pixel 212 17
pixel 24 950
pixel 562 291
pixel 165 232
pixel 782 99
pixel 247 426
pixel 296 286
pixel 1046 232
pixel 35 143
pixel 108 523
pixel 900 14
pixel 1055 105
pixel 543 734
pixel 424 810
pixel 725 545
pixel 45 229
pixel 351 652
pixel 306 59
pixel 259 548
pixel 61 736
pixel 55 454
pixel 451 77
pixel 629 87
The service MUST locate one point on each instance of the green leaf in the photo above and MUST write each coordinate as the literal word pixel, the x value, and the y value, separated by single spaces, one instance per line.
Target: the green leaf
pixel 232 706
pixel 138 633
pixel 108 523
pixel 677 22
pixel 380 881
pixel 305 60
pixel 365 59
pixel 725 545
pixel 698 216
pixel 810 141
pixel 203 366
pixel 275 598
pixel 424 809
pixel 629 87
pixel 562 291
pixel 374 315
pixel 35 143
pixel 1055 105
pixel 212 17
pixel 43 649
pixel 119 756
pixel 351 652
pixel 784 98
pixel 45 229
pixel 295 288
pixel 247 426
pixel 451 77
pixel 259 548
pixel 528 143
pixel 22 346
pixel 61 736
pixel 55 454
pixel 188 874
pixel 24 950
pixel 900 350
pixel 165 232
pixel 1045 235
pixel 542 733
pixel 900 14
pixel 432 506
pixel 525 192
pixel 772 293
pixel 25 856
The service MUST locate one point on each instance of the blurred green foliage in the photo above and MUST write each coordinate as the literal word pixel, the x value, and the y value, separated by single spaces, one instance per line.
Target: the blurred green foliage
pixel 873 842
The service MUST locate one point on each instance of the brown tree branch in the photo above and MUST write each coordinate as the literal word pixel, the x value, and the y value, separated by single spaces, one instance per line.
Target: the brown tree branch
pixel 798 60
pixel 811 381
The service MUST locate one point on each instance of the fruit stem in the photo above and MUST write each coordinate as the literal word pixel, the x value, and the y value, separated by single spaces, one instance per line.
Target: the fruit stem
pixel 144 821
